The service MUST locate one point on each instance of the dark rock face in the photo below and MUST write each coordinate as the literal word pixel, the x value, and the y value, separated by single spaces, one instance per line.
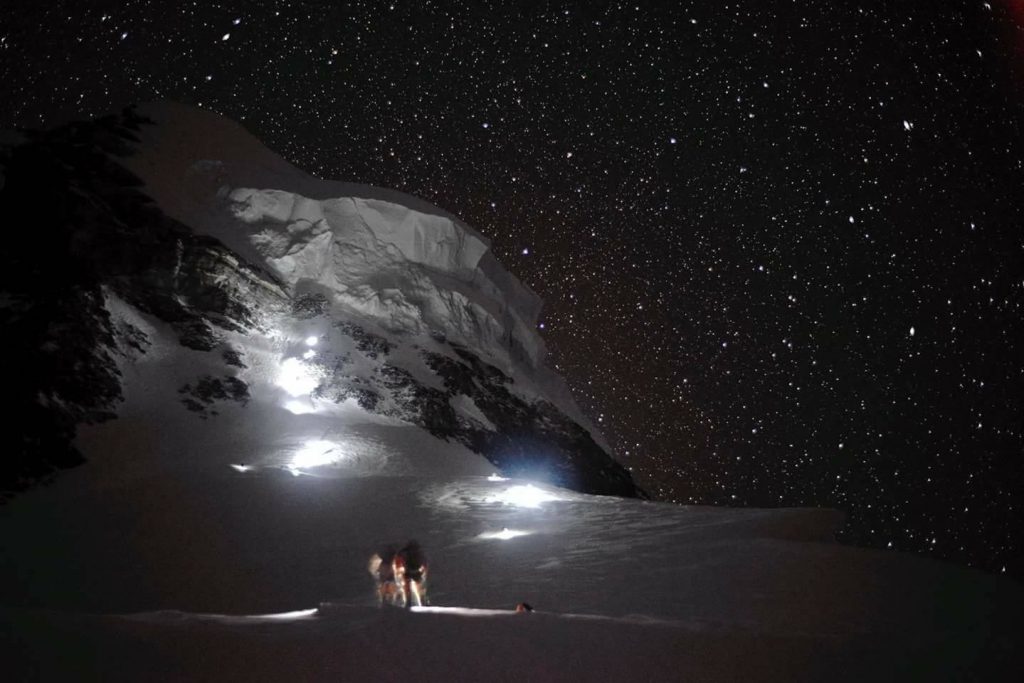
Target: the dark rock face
pixel 79 230
pixel 208 390
pixel 531 439
pixel 370 344
pixel 77 227
pixel 307 306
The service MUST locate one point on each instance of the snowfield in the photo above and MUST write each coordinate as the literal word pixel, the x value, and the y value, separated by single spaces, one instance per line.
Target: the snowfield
pixel 203 571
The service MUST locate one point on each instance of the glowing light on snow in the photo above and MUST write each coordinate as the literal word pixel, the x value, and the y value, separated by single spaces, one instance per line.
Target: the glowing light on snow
pixel 311 341
pixel 288 616
pixel 297 407
pixel 241 468
pixel 496 477
pixel 463 611
pixel 503 535
pixel 232 618
pixel 309 354
pixel 528 496
pixel 315 454
pixel 296 377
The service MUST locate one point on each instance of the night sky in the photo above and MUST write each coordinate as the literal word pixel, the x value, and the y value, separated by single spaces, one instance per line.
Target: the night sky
pixel 779 243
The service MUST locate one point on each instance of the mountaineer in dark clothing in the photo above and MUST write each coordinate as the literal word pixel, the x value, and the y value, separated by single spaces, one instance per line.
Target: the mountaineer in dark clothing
pixel 410 574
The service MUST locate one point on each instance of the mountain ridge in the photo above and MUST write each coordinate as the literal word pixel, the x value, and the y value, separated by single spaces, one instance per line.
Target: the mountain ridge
pixel 305 303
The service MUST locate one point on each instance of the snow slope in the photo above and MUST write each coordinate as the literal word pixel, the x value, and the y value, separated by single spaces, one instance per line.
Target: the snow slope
pixel 126 580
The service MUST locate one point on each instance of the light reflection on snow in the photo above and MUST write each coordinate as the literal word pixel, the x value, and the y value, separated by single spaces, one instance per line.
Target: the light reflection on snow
pixel 287 616
pixel 311 341
pixel 309 354
pixel 241 468
pixel 496 477
pixel 315 454
pixel 299 407
pixel 528 496
pixel 177 616
pixel 296 378
pixel 464 611
pixel 503 535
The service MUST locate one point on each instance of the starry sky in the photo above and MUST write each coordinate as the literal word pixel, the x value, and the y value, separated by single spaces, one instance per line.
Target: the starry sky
pixel 779 243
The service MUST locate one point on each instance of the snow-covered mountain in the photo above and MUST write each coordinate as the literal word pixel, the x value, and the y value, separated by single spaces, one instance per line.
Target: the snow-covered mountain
pixel 170 262
pixel 270 377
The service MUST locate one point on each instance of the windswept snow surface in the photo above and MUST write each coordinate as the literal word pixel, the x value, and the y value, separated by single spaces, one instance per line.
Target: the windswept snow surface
pixel 199 570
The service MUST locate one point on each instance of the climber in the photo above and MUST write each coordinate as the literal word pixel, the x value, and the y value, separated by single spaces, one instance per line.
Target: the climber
pixel 410 574
pixel 382 570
